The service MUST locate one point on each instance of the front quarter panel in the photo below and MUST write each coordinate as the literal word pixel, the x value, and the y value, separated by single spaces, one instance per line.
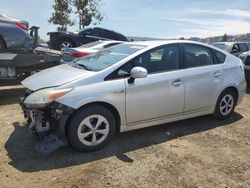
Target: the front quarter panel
pixel 111 92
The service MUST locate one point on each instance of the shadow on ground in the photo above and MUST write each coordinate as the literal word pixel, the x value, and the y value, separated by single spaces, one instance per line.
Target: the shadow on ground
pixel 20 145
pixel 10 95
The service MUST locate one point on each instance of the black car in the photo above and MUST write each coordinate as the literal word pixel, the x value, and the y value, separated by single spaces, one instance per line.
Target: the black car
pixel 60 40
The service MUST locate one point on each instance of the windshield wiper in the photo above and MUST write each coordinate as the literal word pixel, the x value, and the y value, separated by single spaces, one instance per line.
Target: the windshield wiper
pixel 85 67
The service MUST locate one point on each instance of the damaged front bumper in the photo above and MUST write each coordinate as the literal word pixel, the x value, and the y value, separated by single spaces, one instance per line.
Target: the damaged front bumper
pixel 48 123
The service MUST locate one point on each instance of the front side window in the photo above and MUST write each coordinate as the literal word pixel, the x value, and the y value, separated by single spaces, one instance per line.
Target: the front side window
pixel 162 59
pixel 86 31
pixel 196 56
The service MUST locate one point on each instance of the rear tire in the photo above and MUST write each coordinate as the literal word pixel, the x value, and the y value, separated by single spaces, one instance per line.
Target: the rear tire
pixel 2 45
pixel 225 104
pixel 91 128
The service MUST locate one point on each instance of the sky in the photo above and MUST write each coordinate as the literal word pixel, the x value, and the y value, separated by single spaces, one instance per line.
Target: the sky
pixel 148 18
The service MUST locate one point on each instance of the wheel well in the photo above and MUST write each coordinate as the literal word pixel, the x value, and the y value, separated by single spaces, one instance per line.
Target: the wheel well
pixel 234 89
pixel 110 107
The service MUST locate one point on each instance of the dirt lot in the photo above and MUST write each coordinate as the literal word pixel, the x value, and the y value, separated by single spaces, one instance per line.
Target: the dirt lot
pixel 200 152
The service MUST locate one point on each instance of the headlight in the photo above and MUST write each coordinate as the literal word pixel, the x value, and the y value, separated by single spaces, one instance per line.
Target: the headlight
pixel 43 97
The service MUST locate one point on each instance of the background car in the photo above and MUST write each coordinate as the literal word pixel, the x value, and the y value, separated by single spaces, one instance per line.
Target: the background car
pixel 69 54
pixel 131 86
pixel 61 40
pixel 245 57
pixel 235 48
pixel 14 34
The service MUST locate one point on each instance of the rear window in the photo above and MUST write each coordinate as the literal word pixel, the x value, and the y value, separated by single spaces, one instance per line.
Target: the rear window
pixel 220 57
pixel 89 45
pixel 223 46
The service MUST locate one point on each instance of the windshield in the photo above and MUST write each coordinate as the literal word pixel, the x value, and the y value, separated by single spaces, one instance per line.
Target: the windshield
pixel 107 57
pixel 222 46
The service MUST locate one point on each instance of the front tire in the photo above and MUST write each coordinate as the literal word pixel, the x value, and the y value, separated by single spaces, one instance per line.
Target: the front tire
pixel 91 128
pixel 225 104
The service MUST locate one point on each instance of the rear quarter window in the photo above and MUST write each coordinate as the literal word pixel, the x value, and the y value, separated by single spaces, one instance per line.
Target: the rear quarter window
pixel 220 57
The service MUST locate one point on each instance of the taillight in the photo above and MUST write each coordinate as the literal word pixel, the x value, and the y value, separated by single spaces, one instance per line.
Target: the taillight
pixel 21 26
pixel 79 54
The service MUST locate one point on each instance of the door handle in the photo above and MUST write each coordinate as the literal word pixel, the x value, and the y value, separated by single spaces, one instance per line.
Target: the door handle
pixel 217 74
pixel 177 82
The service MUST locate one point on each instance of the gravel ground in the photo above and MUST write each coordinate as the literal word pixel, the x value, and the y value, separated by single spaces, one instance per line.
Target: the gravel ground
pixel 199 152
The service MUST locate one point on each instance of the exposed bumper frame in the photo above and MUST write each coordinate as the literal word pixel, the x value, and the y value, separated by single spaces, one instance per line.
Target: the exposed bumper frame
pixel 49 124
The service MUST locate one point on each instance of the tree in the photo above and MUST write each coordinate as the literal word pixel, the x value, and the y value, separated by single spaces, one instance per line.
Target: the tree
pixel 224 38
pixel 61 15
pixel 87 11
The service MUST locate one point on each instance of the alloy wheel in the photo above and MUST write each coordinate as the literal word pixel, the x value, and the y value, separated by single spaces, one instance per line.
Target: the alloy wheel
pixel 226 104
pixel 93 130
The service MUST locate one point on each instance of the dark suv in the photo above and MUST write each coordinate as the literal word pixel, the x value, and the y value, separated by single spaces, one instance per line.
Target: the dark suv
pixel 60 40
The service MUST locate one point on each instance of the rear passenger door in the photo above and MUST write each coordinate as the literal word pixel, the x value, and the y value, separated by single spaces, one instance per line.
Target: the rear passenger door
pixel 203 77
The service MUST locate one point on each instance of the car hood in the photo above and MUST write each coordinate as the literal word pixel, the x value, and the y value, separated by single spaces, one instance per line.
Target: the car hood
pixel 55 76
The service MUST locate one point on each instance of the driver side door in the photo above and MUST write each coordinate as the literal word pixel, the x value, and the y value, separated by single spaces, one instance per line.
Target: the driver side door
pixel 161 94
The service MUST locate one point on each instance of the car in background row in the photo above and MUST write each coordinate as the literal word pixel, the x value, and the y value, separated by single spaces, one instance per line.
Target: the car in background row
pixel 70 54
pixel 130 86
pixel 245 57
pixel 14 34
pixel 239 49
pixel 235 48
pixel 60 40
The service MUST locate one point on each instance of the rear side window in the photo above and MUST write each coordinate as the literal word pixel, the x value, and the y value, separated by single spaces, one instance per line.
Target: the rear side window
pixel 220 57
pixel 243 47
pixel 197 56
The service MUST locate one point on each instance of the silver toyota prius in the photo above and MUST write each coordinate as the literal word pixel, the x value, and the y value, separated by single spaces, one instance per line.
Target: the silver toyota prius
pixel 130 86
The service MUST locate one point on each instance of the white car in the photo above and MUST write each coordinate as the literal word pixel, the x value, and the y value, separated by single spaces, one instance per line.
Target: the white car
pixel 70 54
pixel 130 86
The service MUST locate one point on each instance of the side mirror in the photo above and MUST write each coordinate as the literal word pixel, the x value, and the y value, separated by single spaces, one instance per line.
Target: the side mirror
pixel 137 72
